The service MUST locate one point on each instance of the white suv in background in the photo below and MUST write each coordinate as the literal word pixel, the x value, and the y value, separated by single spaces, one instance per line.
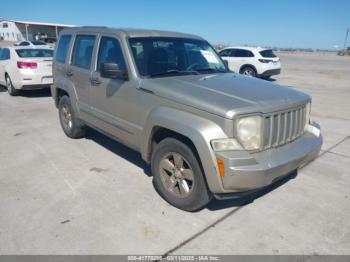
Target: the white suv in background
pixel 251 61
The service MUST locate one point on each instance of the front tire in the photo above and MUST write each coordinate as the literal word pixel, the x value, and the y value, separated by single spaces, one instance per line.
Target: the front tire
pixel 70 124
pixel 178 177
pixel 10 88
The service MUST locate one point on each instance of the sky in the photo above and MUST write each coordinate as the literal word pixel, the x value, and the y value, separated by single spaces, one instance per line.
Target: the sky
pixel 275 23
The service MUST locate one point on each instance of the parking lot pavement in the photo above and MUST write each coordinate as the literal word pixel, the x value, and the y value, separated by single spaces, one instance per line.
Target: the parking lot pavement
pixel 95 196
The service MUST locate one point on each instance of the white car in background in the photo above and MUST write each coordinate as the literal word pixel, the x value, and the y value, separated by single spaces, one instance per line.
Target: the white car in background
pixel 24 68
pixel 31 43
pixel 251 61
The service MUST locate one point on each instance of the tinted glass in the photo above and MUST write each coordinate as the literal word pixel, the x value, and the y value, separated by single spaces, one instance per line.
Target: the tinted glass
pixel 225 52
pixel 155 56
pixel 110 52
pixel 267 53
pixel 4 54
pixel 38 43
pixel 82 52
pixel 34 52
pixel 62 49
pixel 24 44
pixel 242 53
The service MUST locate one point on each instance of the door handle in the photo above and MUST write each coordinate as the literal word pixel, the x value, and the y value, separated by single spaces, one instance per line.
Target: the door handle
pixel 69 73
pixel 95 81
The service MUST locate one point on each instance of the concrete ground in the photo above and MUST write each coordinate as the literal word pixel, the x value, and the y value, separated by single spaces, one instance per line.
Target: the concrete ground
pixel 95 196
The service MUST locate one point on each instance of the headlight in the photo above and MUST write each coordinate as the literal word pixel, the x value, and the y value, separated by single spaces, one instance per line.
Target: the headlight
pixel 307 114
pixel 249 132
pixel 228 144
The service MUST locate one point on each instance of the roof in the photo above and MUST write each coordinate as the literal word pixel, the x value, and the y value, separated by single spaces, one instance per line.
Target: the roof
pixel 37 23
pixel 29 47
pixel 250 48
pixel 130 32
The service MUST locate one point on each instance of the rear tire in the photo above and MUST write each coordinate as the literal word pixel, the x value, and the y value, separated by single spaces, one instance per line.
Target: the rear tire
pixel 178 177
pixel 70 124
pixel 248 71
pixel 10 89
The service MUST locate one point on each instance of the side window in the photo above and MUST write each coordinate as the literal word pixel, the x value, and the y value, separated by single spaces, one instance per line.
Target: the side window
pixel 110 52
pixel 225 52
pixel 24 44
pixel 5 54
pixel 62 49
pixel 82 52
pixel 243 53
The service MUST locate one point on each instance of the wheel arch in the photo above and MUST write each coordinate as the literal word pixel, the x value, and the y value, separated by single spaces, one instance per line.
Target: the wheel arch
pixel 63 87
pixel 248 65
pixel 194 130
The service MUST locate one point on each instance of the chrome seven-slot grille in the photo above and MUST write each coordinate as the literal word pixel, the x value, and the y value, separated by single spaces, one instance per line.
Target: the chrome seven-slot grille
pixel 283 127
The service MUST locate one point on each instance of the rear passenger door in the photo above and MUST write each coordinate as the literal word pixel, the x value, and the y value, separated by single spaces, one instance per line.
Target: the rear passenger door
pixel 79 69
pixel 242 57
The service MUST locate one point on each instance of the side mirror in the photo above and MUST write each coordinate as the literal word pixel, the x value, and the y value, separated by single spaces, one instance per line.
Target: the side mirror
pixel 112 70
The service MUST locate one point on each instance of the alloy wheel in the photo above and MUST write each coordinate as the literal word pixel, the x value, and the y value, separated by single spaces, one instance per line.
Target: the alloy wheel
pixel 176 175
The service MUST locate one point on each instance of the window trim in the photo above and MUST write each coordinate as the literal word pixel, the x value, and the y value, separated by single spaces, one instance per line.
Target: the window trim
pixel 73 47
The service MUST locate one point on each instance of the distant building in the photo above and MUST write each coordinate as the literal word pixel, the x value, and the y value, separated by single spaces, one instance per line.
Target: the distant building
pixel 11 30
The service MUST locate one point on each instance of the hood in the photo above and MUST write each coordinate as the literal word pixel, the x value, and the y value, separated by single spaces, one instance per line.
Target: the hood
pixel 226 94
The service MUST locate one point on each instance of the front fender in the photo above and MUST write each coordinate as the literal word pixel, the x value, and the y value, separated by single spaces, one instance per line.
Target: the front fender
pixel 199 130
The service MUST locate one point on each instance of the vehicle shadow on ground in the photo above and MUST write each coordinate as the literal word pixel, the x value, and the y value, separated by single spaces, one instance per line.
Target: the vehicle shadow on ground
pixel 36 93
pixel 135 158
pixel 270 79
pixel 244 199
pixel 117 148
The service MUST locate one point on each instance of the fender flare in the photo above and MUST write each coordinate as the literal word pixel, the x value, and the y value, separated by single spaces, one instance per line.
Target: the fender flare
pixel 67 86
pixel 199 130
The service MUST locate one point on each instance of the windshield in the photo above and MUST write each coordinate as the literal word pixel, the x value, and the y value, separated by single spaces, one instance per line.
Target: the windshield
pixel 34 52
pixel 163 56
pixel 267 54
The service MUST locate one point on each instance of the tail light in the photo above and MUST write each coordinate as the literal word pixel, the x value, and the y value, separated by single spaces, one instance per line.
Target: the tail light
pixel 25 65
pixel 265 61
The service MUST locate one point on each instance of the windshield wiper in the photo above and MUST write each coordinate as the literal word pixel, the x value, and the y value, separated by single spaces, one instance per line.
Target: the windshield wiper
pixel 174 72
pixel 211 70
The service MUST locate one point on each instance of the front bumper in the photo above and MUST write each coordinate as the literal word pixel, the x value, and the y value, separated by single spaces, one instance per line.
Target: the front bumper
pixel 246 171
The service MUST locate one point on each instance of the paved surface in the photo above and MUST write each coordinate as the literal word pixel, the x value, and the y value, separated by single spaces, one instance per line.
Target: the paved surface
pixel 95 196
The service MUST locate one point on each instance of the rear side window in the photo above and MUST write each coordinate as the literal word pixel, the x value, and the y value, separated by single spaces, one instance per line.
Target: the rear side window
pixel 27 53
pixel 5 54
pixel 242 53
pixel 62 49
pixel 267 54
pixel 110 52
pixel 226 52
pixel 82 52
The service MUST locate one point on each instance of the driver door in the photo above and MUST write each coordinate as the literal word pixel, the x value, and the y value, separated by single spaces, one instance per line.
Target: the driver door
pixel 114 101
